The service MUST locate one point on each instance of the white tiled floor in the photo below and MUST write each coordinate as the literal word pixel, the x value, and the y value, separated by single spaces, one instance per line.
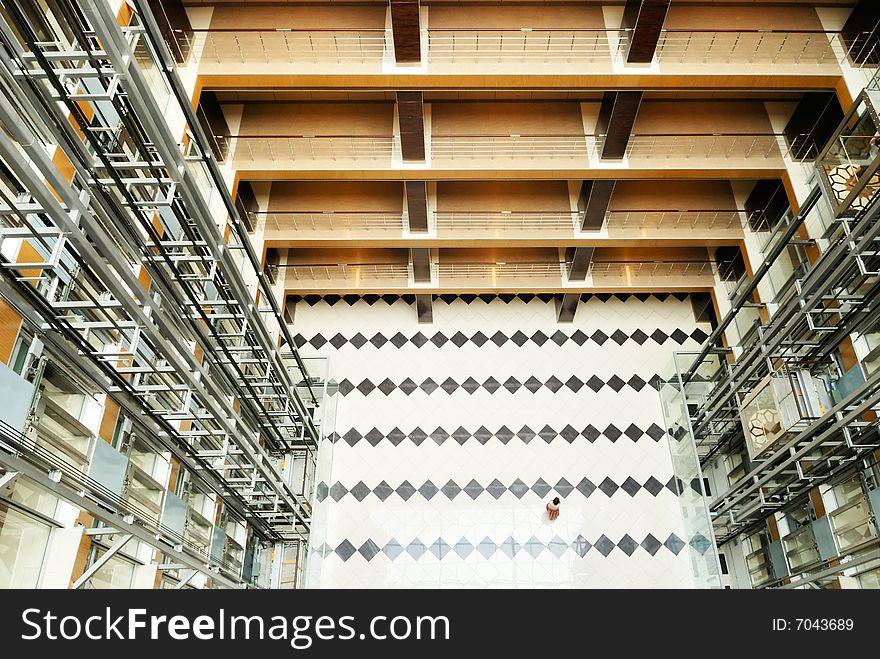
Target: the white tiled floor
pixel 361 540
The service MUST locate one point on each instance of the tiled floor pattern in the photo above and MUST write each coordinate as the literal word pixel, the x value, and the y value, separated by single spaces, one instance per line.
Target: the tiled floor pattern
pixel 451 437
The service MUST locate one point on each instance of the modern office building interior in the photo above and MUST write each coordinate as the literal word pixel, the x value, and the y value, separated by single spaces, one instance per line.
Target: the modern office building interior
pixel 340 294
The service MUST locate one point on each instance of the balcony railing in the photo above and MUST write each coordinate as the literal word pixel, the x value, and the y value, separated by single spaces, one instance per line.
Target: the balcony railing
pixel 327 221
pixel 284 45
pixel 500 270
pixel 746 46
pixel 355 274
pixel 525 44
pixel 311 148
pixel 505 221
pixel 533 147
pixel 745 146
pixel 631 270
pixel 675 219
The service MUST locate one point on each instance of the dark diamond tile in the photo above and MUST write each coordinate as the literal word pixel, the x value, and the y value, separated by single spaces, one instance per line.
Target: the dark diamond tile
pixel 449 385
pixel 559 337
pixel 463 548
pixel 639 337
pixel 518 488
pixel 700 542
pixel 491 385
pixel 547 434
pixel 405 490
pixel 395 436
pixel 541 488
pixel 586 487
pixel 510 547
pixel 534 546
pixel 383 491
pixel 321 491
pixel 439 339
pixel 599 337
pixel 557 546
pixel 374 436
pixel 318 340
pixel 496 488
pixel 563 487
pixel 498 338
pixel 636 383
pixel 605 545
pixel 651 544
pixel 461 435
pixel 386 386
pixel 299 340
pixel 428 386
pixel 512 384
pixel 345 550
pixel 612 432
pixel 519 338
pixel 369 549
pixel 482 434
pixel 416 549
pixel 473 489
pixel 459 339
pixel 345 387
pixel 540 338
pixel 581 546
pixel 575 384
pixel 360 491
pixel 365 387
pixel 679 337
pixel 428 490
pixel 579 337
pixel 653 486
pixel 674 544
pixel 504 434
pixel 408 386
pixel 479 339
pixel 392 549
pixel 619 337
pixel 553 383
pixel 659 336
pixel 633 432
pixel 352 437
pixel 628 545
pixel 591 434
pixel 608 487
pixel 470 385
pixel 526 434
pixel 451 489
pixel 674 485
pixel 533 384
pixel 631 486
pixel 699 335
pixel 595 383
pixel 417 436
pixel 486 547
pixel 616 383
pixel 655 432
pixel 378 340
pixel 439 435
pixel 399 340
pixel 569 434
pixel 338 341
pixel 418 340
pixel 338 491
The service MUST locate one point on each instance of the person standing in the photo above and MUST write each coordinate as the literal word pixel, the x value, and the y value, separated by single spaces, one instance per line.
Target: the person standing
pixel 553 509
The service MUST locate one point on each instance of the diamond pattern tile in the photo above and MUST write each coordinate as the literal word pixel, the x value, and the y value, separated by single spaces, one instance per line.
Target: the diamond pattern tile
pixel 451 489
pixel 405 490
pixel 631 486
pixel 383 491
pixel 604 545
pixel 360 491
pixel 651 544
pixel 628 545
pixel 369 549
pixel 428 490
pixel 345 550
pixel 608 487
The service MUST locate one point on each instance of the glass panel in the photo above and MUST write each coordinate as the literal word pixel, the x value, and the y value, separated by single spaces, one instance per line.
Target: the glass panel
pixel 115 573
pixel 23 543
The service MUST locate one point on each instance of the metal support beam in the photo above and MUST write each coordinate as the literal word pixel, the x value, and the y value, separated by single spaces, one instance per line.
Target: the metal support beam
pixel 421 264
pixel 102 560
pixel 643 19
pixel 579 263
pixel 411 118
pixel 8 479
pixel 405 26
pixel 417 205
pixel 183 582
pixel 425 307
pixel 593 202
pixel 567 307
pixel 617 114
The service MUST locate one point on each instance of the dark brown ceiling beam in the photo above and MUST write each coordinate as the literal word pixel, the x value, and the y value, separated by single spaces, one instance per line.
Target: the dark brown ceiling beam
pixel 617 114
pixel 566 307
pixel 644 19
pixel 579 263
pixel 411 117
pixel 425 307
pixel 405 28
pixel 593 201
pixel 421 264
pixel 417 205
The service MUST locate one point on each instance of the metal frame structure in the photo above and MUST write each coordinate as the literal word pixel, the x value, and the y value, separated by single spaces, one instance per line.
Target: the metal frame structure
pixel 144 288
